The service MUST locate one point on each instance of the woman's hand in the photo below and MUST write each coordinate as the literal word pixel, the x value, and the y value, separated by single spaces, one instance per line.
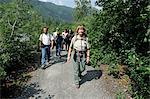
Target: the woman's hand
pixel 52 44
pixel 52 47
pixel 88 56
pixel 69 55
pixel 87 60
pixel 68 59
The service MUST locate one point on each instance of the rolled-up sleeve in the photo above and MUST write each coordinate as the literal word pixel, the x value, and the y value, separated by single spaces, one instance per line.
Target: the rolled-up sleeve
pixel 88 45
pixel 72 42
pixel 51 38
pixel 40 38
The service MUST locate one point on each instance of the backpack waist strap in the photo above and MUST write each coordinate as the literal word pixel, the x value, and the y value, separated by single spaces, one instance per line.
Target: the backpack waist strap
pixel 81 52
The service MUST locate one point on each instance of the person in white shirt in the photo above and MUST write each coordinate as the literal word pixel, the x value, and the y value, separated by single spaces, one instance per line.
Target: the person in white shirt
pixel 46 43
pixel 55 34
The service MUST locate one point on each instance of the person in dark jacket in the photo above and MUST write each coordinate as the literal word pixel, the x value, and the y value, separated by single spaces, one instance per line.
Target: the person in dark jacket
pixel 59 40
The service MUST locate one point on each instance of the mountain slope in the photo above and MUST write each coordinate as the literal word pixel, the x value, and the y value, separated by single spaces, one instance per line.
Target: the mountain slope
pixel 48 10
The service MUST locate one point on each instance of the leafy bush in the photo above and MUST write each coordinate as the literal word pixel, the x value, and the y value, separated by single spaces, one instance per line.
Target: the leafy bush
pixel 139 72
pixel 119 34
pixel 20 30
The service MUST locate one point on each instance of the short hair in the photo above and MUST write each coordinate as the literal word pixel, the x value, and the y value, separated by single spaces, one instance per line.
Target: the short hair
pixel 43 28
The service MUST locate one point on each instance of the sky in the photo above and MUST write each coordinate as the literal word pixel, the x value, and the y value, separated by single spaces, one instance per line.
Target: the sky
pixel 69 3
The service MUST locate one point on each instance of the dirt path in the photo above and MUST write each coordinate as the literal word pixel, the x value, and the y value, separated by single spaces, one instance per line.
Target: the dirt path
pixel 56 82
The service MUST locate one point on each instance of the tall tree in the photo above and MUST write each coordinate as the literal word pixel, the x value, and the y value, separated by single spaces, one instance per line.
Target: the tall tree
pixel 19 30
pixel 120 34
pixel 82 9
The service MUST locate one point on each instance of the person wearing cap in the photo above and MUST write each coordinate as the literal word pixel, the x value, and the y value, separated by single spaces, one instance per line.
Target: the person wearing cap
pixel 81 53
pixel 46 43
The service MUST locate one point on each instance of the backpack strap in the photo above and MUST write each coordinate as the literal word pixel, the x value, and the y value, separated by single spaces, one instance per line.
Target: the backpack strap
pixel 42 38
pixel 85 39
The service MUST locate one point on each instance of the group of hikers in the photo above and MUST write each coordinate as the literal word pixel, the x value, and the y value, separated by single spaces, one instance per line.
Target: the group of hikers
pixel 76 44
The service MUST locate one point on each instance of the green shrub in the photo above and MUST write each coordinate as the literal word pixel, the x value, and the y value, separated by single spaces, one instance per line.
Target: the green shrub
pixel 119 34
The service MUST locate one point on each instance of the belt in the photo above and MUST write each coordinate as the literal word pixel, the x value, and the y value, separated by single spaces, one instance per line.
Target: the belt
pixel 79 53
pixel 46 46
pixel 82 52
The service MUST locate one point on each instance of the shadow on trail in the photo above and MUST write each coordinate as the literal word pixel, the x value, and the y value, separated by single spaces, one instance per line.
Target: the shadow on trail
pixel 59 60
pixel 33 90
pixel 30 91
pixel 90 75
pixel 56 60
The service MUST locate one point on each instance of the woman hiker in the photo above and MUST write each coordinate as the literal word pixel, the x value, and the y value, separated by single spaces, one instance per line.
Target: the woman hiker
pixel 81 53
pixel 46 43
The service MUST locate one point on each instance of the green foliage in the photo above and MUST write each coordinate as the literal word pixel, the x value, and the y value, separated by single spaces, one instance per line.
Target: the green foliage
pixel 2 73
pixel 83 9
pixel 139 72
pixel 119 34
pixel 50 10
pixel 120 95
pixel 114 69
pixel 20 29
pixel 17 33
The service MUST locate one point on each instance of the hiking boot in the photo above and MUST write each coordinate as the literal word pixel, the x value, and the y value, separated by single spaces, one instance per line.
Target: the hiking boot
pixel 77 86
pixel 47 63
pixel 42 66
pixel 51 62
pixel 80 76
pixel 59 56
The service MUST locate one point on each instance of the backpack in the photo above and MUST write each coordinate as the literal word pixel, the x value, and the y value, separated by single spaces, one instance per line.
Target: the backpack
pixel 85 39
